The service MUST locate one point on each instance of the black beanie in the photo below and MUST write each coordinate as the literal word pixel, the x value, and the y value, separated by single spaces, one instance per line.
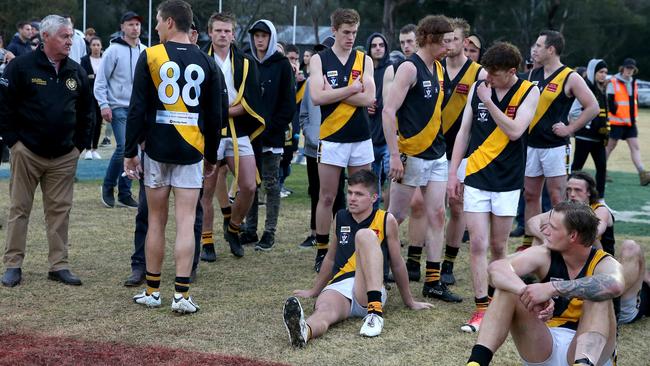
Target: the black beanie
pixel 600 65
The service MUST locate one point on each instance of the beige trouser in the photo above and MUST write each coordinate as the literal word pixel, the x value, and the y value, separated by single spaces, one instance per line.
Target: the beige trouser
pixel 56 177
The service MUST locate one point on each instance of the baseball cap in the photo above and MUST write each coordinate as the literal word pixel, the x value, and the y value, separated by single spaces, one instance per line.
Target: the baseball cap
pixel 130 15
pixel 260 27
pixel 325 44
pixel 629 62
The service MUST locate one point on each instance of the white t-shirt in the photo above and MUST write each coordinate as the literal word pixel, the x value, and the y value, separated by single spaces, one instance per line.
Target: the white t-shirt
pixel 95 62
pixel 226 69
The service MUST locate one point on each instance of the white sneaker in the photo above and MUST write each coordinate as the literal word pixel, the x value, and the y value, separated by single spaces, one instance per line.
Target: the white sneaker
pixel 294 321
pixel 88 155
pixel 150 301
pixel 96 155
pixel 183 305
pixel 372 325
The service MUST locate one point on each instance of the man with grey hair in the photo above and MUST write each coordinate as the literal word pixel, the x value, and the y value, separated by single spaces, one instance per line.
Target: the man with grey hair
pixel 45 117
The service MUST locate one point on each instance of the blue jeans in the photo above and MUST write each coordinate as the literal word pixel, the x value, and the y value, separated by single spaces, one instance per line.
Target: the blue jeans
pixel 381 167
pixel 115 168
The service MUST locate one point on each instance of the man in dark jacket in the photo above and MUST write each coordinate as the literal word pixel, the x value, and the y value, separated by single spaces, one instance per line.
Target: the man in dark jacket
pixel 21 44
pixel 279 95
pixel 45 116
pixel 378 49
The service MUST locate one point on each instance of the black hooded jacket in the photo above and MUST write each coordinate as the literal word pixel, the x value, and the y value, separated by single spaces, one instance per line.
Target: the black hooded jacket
pixel 376 129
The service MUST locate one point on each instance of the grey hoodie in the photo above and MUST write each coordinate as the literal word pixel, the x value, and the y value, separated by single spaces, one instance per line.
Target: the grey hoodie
pixel 576 107
pixel 273 41
pixel 114 79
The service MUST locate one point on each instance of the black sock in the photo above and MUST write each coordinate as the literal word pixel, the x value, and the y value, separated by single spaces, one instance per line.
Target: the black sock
pixel 413 255
pixel 374 303
pixel 226 212
pixel 233 228
pixel 482 303
pixel 432 274
pixel 153 282
pixel 182 286
pixel 481 356
pixel 450 255
pixel 583 361
pixel 490 291
pixel 322 241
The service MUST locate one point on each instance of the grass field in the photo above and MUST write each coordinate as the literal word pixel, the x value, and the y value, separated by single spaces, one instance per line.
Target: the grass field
pixel 241 299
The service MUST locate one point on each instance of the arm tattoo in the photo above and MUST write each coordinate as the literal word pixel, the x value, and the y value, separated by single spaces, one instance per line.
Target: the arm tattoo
pixel 594 288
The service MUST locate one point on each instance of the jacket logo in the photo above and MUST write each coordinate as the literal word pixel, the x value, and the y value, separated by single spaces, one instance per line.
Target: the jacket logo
pixel 71 84
pixel 39 81
pixel 462 89
pixel 552 87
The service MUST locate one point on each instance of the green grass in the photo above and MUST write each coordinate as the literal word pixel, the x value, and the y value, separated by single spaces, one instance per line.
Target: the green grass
pixel 241 300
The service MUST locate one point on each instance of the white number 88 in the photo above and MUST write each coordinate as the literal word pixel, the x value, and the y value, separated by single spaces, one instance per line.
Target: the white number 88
pixel 172 81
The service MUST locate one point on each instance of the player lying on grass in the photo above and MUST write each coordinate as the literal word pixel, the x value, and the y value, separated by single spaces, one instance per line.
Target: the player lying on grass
pixel 350 283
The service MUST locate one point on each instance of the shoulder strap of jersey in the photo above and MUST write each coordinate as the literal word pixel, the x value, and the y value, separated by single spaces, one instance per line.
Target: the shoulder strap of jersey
pixel 549 94
pixel 343 111
pixel 598 256
pixel 454 107
pixel 378 225
pixel 157 57
pixel 419 142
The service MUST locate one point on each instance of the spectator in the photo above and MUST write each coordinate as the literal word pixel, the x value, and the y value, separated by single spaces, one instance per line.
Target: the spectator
pixel 46 127
pixel 113 86
pixel 78 49
pixel 20 45
pixel 91 64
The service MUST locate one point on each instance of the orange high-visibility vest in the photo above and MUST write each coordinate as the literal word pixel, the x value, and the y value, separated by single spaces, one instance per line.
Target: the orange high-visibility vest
pixel 622 117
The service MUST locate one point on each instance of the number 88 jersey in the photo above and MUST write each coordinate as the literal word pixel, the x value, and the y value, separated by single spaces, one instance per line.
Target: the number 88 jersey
pixel 177 105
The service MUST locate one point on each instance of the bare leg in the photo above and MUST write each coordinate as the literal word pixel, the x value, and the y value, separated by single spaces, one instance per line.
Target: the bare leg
pixel 331 307
pixel 635 153
pixel 328 176
pixel 209 187
pixel 417 219
pixel 185 209
pixel 596 334
pixel 611 145
pixel 369 273
pixel 247 186
pixel 158 202
pixel 499 233
pixel 477 224
pixel 399 205
pixel 532 196
pixel 556 189
pixel 633 262
pixel 434 198
pixel 221 190
pixel 456 224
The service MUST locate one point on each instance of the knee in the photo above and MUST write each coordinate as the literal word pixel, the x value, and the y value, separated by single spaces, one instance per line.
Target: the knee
pixel 477 246
pixel 247 188
pixel 417 208
pixel 497 250
pixel 438 216
pixel 630 250
pixel 530 196
pixel 326 197
pixel 455 208
pixel 365 238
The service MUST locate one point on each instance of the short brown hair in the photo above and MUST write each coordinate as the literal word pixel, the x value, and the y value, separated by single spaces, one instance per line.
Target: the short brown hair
pixel 179 11
pixel 431 29
pixel 460 23
pixel 501 56
pixel 579 218
pixel 90 31
pixel 366 178
pixel 342 16
pixel 224 17
pixel 408 29
pixel 553 38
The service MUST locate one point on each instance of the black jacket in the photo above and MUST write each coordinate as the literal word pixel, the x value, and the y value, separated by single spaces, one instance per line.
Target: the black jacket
pixel 376 127
pixel 278 97
pixel 49 113
pixel 88 67
pixel 18 47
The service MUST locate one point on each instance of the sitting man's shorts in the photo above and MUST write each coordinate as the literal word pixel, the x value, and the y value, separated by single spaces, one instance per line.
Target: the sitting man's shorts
pixel 345 154
pixel 548 162
pixel 419 172
pixel 346 288
pixel 562 338
pixel 157 174
pixel 227 148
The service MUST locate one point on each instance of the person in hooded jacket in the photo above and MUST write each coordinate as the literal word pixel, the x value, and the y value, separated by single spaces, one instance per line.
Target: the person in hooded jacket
pixel 279 95
pixel 592 138
pixel 378 48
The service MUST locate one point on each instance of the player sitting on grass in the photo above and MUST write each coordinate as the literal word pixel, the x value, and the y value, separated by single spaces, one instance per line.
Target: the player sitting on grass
pixel 350 281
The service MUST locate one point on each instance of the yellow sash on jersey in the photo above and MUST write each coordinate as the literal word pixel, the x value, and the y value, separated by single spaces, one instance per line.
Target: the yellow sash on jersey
pixel 156 57
pixel 454 107
pixel 301 92
pixel 421 141
pixel 574 309
pixel 547 97
pixel 378 226
pixel 344 111
pixel 497 141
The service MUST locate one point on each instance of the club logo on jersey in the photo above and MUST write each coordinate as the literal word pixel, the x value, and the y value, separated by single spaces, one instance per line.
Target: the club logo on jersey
pixel 426 84
pixel 376 231
pixel 71 84
pixel 333 78
pixel 552 87
pixel 355 74
pixel 462 89
pixel 511 111
pixel 345 237
pixel 482 113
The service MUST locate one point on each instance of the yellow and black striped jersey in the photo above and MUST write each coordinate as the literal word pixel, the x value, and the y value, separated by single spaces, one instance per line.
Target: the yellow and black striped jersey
pixel 419 123
pixel 340 121
pixel 176 105
pixel 567 312
pixel 553 107
pixel 453 104
pixel 496 163
pixel 345 261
